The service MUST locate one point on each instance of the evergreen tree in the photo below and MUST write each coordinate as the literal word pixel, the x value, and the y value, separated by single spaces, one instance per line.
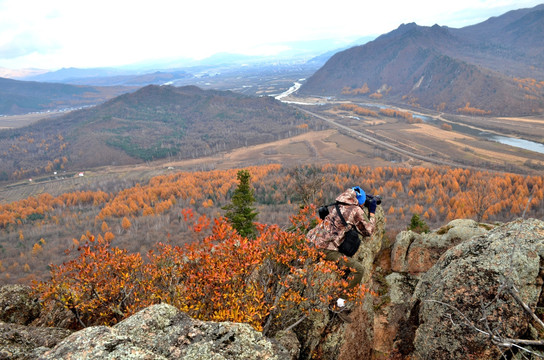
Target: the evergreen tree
pixel 418 225
pixel 239 213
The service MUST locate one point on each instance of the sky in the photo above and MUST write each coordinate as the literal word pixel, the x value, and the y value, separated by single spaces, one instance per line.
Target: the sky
pixel 52 34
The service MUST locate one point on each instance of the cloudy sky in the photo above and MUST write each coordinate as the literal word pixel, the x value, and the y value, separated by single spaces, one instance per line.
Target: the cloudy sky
pixel 50 34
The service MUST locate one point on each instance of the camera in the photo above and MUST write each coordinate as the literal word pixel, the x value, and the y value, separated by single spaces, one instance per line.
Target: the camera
pixel 369 198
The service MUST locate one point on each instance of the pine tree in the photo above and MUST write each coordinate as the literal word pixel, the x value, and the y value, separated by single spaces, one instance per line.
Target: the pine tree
pixel 239 213
pixel 418 225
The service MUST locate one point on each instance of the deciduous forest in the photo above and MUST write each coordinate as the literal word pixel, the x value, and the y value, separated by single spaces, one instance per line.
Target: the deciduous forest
pixel 43 230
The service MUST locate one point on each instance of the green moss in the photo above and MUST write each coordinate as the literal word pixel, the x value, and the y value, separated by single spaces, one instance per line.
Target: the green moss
pixel 443 230
pixel 486 226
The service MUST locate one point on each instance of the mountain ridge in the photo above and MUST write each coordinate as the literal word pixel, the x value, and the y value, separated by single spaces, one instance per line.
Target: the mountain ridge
pixel 152 123
pixel 405 63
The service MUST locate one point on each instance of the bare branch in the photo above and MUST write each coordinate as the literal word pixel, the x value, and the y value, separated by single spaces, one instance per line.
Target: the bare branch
pixel 515 294
pixel 296 323
pixel 495 339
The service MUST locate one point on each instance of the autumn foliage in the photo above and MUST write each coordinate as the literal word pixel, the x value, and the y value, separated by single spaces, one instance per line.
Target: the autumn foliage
pixel 35 231
pixel 400 114
pixel 359 110
pixel 357 91
pixel 223 277
pixel 469 110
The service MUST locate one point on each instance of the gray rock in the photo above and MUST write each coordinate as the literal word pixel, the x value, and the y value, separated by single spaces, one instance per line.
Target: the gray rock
pixel 18 305
pixel 416 253
pixel 288 339
pixel 466 290
pixel 24 342
pixel 163 332
pixel 401 287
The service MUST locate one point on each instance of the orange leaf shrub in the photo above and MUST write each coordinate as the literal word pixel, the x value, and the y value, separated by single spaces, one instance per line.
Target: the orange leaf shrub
pixel 101 286
pixel 223 277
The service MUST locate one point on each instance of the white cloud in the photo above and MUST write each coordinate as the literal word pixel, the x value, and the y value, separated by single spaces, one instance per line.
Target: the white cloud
pixel 63 33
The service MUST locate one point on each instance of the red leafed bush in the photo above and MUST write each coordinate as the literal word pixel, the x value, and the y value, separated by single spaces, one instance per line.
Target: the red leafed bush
pixel 263 281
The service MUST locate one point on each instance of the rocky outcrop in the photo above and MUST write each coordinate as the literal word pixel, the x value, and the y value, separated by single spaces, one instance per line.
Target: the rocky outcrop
pixel 459 307
pixel 163 332
pixel 382 316
pixel 26 342
pixel 158 332
pixel 468 296
pixel 415 253
pixel 18 308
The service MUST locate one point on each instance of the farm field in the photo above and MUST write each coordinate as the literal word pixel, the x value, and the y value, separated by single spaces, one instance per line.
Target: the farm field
pixel 454 139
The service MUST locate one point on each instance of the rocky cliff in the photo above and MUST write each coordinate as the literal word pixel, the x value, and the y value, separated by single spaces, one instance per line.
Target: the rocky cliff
pixel 466 290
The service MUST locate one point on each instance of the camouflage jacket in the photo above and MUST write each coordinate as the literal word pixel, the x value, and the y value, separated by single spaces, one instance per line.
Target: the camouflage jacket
pixel 329 233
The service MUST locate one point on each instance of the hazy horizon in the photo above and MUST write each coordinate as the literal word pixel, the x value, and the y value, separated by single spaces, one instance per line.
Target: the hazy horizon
pixel 63 34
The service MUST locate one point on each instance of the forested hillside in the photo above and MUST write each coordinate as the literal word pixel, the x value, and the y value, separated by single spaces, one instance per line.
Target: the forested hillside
pixel 35 232
pixel 156 122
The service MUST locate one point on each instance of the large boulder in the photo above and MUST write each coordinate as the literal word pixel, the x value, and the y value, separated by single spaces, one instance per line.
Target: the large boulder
pixel 395 275
pixel 163 332
pixel 468 295
pixel 415 253
pixel 18 305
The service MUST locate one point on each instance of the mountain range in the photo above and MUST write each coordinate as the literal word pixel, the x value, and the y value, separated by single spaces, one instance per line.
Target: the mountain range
pixel 496 66
pixel 308 54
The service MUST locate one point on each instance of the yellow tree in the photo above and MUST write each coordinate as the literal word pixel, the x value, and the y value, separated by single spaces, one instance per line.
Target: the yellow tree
pixel 126 224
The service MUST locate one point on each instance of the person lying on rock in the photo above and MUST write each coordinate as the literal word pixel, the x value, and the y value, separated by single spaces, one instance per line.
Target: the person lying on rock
pixel 331 233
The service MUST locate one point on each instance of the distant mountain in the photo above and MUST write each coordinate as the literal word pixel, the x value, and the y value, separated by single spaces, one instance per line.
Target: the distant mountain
pixel 20 73
pixel 139 80
pixel 20 97
pixel 65 74
pixel 306 55
pixel 496 66
pixel 152 123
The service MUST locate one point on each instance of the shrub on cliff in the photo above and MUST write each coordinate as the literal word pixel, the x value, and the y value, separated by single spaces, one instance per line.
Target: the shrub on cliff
pixel 223 277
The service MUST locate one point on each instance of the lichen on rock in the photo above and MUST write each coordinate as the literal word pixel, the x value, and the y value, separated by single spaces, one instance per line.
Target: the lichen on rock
pixel 465 294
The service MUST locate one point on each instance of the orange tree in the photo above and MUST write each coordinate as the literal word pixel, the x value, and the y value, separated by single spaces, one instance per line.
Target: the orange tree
pixel 266 281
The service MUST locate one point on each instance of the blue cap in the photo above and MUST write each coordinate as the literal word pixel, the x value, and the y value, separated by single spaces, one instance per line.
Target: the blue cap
pixel 361 196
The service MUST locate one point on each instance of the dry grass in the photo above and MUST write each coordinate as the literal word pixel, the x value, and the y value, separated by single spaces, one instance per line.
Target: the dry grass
pixel 435 132
pixel 529 120
pixel 490 155
pixel 17 121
